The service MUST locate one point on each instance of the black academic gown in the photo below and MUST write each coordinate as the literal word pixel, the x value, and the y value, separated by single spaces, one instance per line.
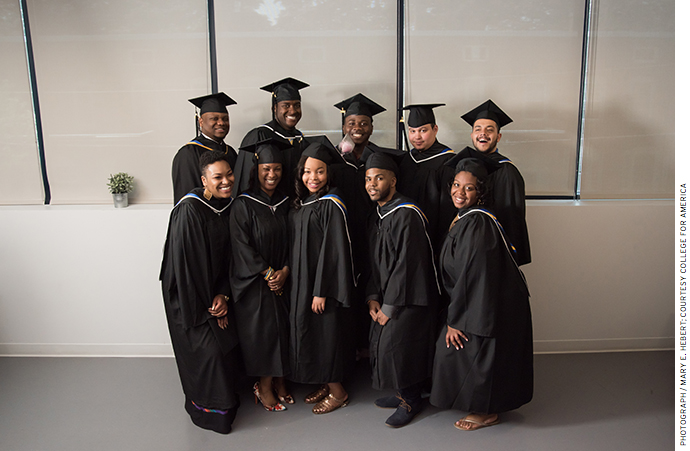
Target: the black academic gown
pixel 508 190
pixel 321 345
pixel 185 166
pixel 425 179
pixel 194 270
pixel 403 277
pixel 245 161
pixel 489 302
pixel 349 176
pixel 260 240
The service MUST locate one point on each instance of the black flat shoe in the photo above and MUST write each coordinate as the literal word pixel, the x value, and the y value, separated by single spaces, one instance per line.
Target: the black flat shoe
pixel 404 414
pixel 388 402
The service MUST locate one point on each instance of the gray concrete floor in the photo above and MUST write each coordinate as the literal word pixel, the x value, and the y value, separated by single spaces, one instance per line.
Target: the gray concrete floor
pixel 616 401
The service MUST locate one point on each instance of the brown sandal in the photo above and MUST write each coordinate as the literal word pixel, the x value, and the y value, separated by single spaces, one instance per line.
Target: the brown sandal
pixel 474 424
pixel 329 404
pixel 318 395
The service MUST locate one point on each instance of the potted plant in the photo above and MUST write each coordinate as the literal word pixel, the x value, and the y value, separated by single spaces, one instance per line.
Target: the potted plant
pixel 120 185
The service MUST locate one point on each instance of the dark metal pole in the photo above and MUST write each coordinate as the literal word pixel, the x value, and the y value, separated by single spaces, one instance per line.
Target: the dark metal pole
pixel 212 45
pixel 38 127
pixel 400 127
pixel 584 68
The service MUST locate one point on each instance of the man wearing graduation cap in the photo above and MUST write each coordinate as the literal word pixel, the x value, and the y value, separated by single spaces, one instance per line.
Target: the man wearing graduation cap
pixel 402 294
pixel 212 128
pixel 508 185
pixel 358 114
pixel 286 108
pixel 423 175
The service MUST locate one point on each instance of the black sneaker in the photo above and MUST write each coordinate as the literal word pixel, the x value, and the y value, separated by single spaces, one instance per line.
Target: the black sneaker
pixel 404 414
pixel 389 402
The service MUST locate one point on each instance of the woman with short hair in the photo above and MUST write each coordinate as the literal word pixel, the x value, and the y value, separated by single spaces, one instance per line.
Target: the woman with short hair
pixel 195 282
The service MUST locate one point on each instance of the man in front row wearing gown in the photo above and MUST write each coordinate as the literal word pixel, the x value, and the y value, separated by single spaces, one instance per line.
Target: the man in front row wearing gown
pixel 213 126
pixel 196 288
pixel 402 294
pixel 358 114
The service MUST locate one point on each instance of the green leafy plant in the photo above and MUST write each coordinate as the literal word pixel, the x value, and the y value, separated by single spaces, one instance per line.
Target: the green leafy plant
pixel 120 183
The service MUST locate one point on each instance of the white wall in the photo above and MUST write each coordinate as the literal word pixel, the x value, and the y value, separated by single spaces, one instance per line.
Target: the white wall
pixel 83 280
pixel 603 275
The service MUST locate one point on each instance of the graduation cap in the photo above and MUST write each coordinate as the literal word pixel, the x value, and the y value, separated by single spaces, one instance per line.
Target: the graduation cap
pixel 285 89
pixel 321 148
pixel 213 103
pixel 422 113
pixel 359 104
pixel 487 110
pixel 267 149
pixel 474 162
pixel 383 158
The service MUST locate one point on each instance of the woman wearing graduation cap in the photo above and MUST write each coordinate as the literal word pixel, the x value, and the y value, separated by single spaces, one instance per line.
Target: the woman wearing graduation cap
pixel 483 360
pixel 322 281
pixel 260 269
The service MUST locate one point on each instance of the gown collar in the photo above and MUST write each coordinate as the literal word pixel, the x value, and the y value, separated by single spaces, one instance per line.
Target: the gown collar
pixel 216 205
pixel 280 131
pixel 434 151
pixel 399 201
pixel 258 195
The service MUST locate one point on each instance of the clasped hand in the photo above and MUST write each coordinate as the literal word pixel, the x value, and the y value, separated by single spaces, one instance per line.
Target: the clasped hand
pixel 376 313
pixel 277 280
pixel 219 309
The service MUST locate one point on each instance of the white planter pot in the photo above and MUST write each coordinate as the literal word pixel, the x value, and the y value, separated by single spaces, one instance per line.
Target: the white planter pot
pixel 120 200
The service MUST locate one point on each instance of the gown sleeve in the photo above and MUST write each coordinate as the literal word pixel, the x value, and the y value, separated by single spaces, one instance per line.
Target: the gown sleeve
pixel 185 172
pixel 247 263
pixel 509 206
pixel 476 256
pixel 373 281
pixel 412 278
pixel 189 265
pixel 333 278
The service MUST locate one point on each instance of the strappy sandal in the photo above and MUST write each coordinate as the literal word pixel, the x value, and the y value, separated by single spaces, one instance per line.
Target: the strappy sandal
pixel 277 407
pixel 287 399
pixel 318 395
pixel 475 425
pixel 329 404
